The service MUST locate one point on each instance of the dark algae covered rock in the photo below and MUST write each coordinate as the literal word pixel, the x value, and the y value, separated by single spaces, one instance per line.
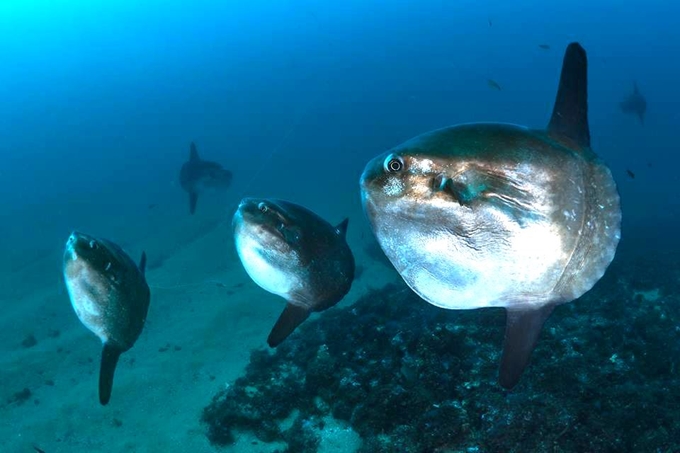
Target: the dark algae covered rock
pixel 409 377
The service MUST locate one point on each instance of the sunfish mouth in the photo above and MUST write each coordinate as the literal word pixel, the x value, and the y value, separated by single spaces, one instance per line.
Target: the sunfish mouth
pixel 264 214
pixel 77 244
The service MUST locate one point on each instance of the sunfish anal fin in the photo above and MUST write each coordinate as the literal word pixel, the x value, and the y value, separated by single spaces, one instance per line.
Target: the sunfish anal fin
pixel 523 326
pixel 570 114
pixel 193 199
pixel 291 317
pixel 110 355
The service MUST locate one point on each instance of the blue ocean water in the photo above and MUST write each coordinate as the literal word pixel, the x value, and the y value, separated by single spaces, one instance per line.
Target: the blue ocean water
pixel 100 101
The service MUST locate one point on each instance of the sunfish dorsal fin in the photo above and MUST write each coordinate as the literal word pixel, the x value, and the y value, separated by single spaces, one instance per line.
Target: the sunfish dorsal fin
pixel 523 326
pixel 193 153
pixel 341 228
pixel 570 114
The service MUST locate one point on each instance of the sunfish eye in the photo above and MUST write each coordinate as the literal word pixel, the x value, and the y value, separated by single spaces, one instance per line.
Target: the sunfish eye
pixel 393 163
pixel 262 207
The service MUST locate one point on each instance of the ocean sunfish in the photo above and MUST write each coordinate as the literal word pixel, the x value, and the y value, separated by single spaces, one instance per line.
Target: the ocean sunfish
pixel 290 251
pixel 198 175
pixel 498 215
pixel 110 295
pixel 635 104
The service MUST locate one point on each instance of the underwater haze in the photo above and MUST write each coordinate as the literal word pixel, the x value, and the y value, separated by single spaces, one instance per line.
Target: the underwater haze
pixel 100 102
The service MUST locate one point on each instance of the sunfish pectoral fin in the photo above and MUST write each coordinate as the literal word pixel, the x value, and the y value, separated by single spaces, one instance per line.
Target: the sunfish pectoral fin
pixel 570 114
pixel 291 317
pixel 107 369
pixel 341 228
pixel 193 199
pixel 458 192
pixel 193 153
pixel 523 326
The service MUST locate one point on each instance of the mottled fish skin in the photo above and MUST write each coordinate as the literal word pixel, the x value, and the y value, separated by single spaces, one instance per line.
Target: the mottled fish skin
pixel 198 175
pixel 290 251
pixel 499 215
pixel 109 294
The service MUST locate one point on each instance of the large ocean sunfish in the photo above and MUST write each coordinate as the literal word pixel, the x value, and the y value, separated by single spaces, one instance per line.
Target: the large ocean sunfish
pixel 497 215
pixel 198 175
pixel 290 251
pixel 110 295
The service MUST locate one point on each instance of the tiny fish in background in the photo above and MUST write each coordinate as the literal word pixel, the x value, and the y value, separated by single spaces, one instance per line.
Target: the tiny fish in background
pixel 544 46
pixel 630 174
pixel 493 84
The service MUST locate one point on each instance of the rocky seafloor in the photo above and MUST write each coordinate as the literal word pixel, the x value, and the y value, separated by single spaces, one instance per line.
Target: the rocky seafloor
pixel 410 377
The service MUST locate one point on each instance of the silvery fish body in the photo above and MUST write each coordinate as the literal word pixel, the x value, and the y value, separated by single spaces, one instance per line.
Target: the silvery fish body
pixel 498 215
pixel 110 296
pixel 290 251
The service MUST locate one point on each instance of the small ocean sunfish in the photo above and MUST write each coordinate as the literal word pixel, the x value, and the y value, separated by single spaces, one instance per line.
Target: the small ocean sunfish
pixel 110 295
pixel 635 104
pixel 198 175
pixel 290 251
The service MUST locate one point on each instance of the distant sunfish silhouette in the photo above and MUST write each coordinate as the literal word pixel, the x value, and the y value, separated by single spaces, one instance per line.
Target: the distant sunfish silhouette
pixel 493 84
pixel 635 104
pixel 110 295
pixel 198 175
pixel 497 215
pixel 290 251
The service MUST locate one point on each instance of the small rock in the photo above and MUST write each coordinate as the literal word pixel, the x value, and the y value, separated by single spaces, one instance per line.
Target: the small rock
pixel 29 341
pixel 21 397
